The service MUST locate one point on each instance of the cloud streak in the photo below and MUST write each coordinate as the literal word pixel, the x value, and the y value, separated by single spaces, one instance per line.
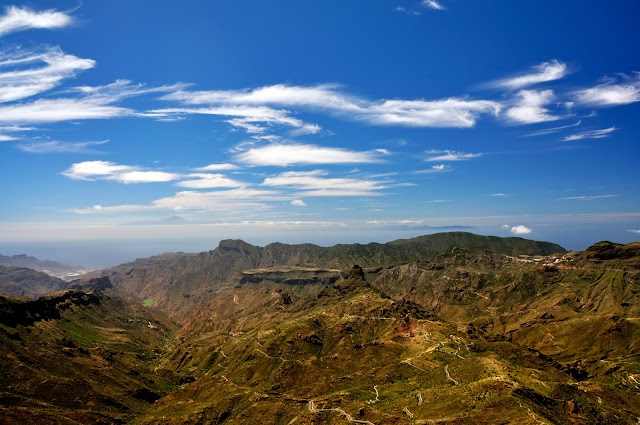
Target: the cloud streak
pixel 446 156
pixel 591 134
pixel 588 198
pixel 54 146
pixel 316 184
pixel 545 72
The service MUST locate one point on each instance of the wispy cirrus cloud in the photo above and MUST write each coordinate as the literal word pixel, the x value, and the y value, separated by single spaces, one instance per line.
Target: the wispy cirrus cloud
pixel 25 73
pixel 209 181
pixel 450 112
pixel 545 72
pixel 284 155
pixel 611 93
pixel 447 155
pixel 591 134
pixel 588 198
pixel 552 130
pixel 55 146
pixel 529 107
pixel 224 202
pixel 224 166
pixel 252 118
pixel 22 18
pixel 57 110
pixel 82 103
pixel 433 4
pixel 316 183
pixel 438 168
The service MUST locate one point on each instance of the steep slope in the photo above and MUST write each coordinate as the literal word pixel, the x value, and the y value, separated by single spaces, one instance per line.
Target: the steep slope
pixel 24 282
pixel 76 358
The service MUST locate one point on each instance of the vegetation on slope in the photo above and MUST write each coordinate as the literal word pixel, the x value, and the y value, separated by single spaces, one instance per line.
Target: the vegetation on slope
pixel 76 358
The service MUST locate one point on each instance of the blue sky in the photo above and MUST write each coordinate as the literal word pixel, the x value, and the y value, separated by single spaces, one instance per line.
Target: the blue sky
pixel 159 126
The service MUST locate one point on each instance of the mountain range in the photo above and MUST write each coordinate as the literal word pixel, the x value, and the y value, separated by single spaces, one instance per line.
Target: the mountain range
pixel 445 328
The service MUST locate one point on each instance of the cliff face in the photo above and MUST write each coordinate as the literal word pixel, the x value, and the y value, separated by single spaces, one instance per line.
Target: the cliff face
pixel 26 313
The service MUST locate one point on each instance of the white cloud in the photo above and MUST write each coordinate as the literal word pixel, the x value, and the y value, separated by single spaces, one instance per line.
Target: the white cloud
pixel 218 167
pixel 611 93
pixel 441 156
pixel 505 227
pixel 298 203
pixel 121 89
pixel 588 198
pixel 592 134
pixel 634 231
pixel 249 117
pixel 314 183
pixel 231 202
pixel 105 170
pixel 500 195
pixel 5 138
pixel 56 110
pixel 452 112
pixel 209 181
pixel 89 170
pixel 545 72
pixel 324 96
pixel 54 146
pixel 297 154
pixel 433 4
pixel 521 230
pixel 21 75
pixel 22 18
pixel 15 128
pixel 529 109
pixel 438 168
pixel 144 177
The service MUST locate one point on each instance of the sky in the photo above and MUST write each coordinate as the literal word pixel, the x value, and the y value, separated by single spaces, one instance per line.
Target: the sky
pixel 133 128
